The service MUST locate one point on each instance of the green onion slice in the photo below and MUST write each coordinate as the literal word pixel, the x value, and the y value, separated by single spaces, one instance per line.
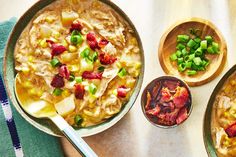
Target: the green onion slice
pixel 191 72
pixel 85 53
pixel 182 38
pixel 57 91
pixel 78 120
pixel 55 62
pixel 122 72
pixel 78 79
pixel 92 89
pixel 72 77
pixel 101 68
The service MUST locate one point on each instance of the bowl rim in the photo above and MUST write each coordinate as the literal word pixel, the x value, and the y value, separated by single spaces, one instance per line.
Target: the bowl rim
pixel 165 77
pixel 97 128
pixel 206 126
pixel 198 20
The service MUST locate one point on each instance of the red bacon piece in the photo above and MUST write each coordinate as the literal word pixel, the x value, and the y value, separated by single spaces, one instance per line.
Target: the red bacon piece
pixel 171 84
pixel 231 130
pixel 122 91
pixel 168 118
pixel 91 40
pixel 64 72
pixel 181 97
pixel 148 103
pixel 56 49
pixel 103 43
pixel 183 114
pixel 91 36
pixel 57 81
pixel 93 44
pixel 165 95
pixel 92 75
pixel 79 91
pixel 76 25
pixel 106 59
pixel 154 112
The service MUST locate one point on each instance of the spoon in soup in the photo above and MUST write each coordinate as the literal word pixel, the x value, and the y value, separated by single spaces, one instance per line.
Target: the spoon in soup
pixel 43 109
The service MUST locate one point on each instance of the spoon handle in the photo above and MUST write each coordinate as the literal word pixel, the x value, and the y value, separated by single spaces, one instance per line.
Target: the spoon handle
pixel 73 137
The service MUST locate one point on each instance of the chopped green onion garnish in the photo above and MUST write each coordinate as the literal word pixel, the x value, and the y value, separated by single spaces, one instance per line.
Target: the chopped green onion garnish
pixel 173 57
pixel 178 53
pixel 180 46
pixel 180 60
pixel 195 47
pixel 191 43
pixel 101 68
pixel 210 50
pixel 197 40
pixel 215 47
pixel 182 38
pixel 191 57
pixel 198 52
pixel 55 62
pixel 205 63
pixel 85 52
pixel 122 72
pixel 188 64
pixel 75 32
pixel 92 88
pixel 197 61
pixel 78 120
pixel 191 72
pixel 184 52
pixel 76 39
pixel 72 77
pixel 57 91
pixel 78 79
pixel 209 39
pixel 191 50
pixel 203 44
pixel 94 56
pixel 181 67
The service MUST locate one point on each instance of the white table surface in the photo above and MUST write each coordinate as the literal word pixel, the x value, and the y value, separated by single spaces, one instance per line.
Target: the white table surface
pixel 133 136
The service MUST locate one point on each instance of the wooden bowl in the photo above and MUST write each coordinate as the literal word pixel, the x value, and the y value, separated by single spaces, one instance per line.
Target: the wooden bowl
pixel 168 45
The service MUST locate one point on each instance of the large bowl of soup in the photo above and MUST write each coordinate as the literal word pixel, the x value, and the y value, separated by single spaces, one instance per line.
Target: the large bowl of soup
pixel 85 52
pixel 219 129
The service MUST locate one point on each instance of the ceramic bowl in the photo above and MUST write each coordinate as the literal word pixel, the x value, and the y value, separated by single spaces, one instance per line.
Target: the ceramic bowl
pixel 208 141
pixel 9 74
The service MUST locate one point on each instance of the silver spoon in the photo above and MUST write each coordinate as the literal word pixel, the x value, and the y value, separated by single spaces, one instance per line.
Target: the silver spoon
pixel 43 109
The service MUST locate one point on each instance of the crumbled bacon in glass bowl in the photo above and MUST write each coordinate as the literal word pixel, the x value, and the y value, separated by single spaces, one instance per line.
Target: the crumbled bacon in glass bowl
pixel 166 102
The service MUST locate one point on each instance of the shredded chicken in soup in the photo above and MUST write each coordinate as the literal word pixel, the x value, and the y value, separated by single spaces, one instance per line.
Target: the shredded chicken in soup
pixel 81 57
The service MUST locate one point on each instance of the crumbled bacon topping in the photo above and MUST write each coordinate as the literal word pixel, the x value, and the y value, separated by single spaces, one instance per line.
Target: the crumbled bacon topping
pixel 231 130
pixel 57 81
pixel 106 59
pixel 92 75
pixel 103 42
pixel 79 91
pixel 64 72
pixel 122 91
pixel 76 25
pixel 56 48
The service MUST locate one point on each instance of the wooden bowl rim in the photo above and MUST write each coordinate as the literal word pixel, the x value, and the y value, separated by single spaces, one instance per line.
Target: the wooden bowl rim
pixel 222 42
